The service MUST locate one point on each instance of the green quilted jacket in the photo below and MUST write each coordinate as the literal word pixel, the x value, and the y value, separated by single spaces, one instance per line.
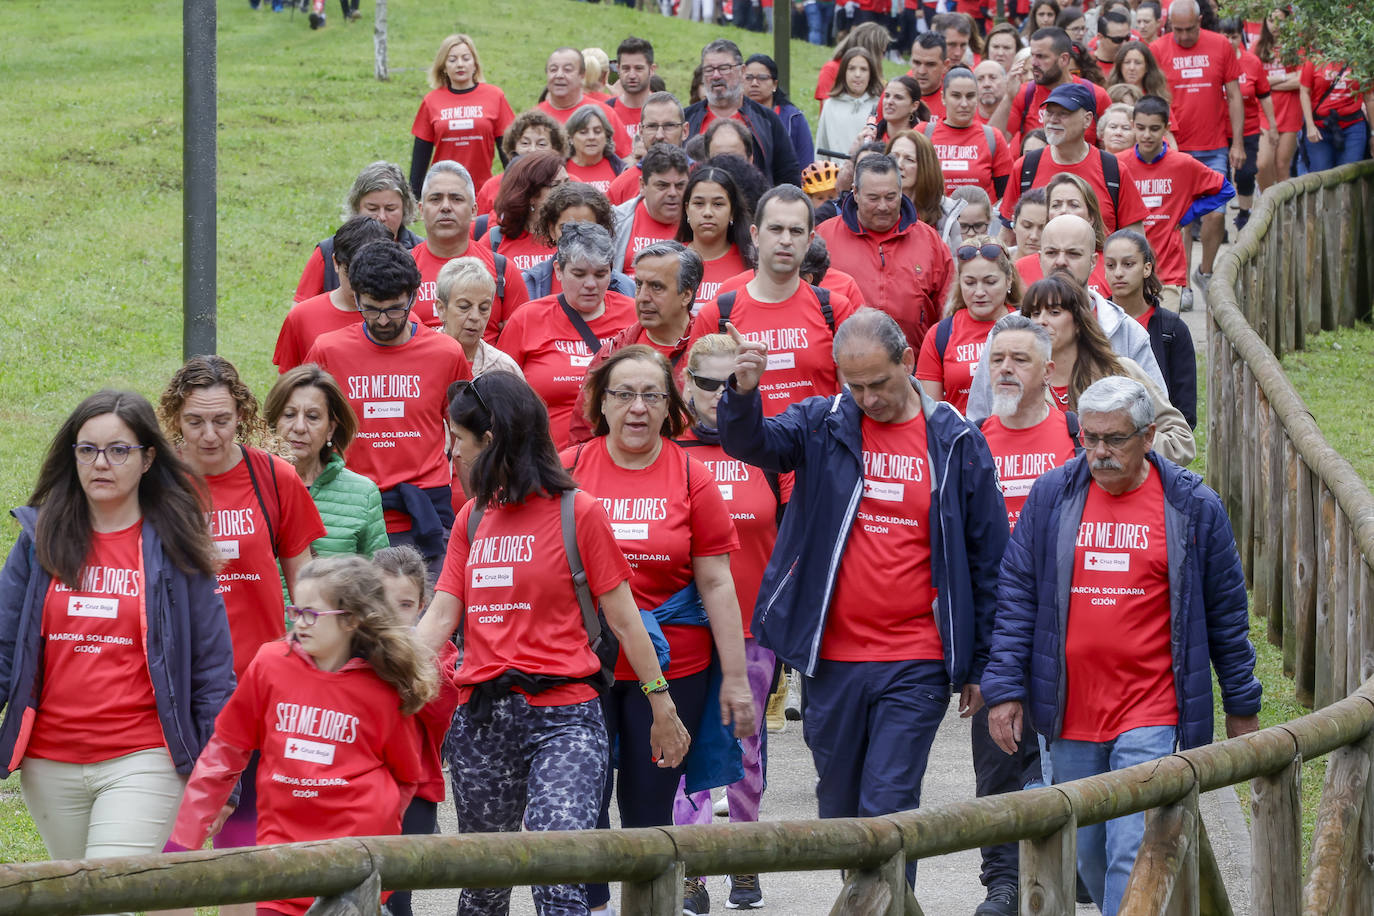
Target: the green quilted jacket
pixel 351 508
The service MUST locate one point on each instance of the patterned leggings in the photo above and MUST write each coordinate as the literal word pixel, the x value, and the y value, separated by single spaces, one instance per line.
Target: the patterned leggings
pixel 745 796
pixel 541 765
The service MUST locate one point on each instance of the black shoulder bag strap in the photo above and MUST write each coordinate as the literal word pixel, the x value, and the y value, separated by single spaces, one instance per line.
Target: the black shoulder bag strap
pixel 580 325
pixel 1030 164
pixel 248 459
pixel 1111 176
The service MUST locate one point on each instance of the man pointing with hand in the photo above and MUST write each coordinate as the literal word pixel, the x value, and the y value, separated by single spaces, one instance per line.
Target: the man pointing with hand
pixel 880 587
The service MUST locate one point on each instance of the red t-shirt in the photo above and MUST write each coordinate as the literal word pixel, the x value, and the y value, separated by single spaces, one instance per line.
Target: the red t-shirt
pixel 1168 186
pixel 553 355
pixel 400 396
pixel 662 516
pixel 621 137
pixel 598 176
pixel 517 593
pixel 963 350
pixel 1024 118
pixel 800 361
pixel 889 543
pixel 1197 78
pixel 1117 654
pixel 1287 106
pixel 464 126
pixel 335 749
pixel 502 306
pixel 1030 269
pixel 249 581
pixel 625 186
pixel 1344 99
pixel 312 278
pixel 645 231
pixel 1144 317
pixel 935 102
pixel 825 80
pixel 966 160
pixel 1254 85
pixel 97 698
pixel 715 272
pixel 433 722
pixel 1022 455
pixel 754 508
pixel 486 194
pixel 1132 210
pixel 524 251
pixel 630 117
pixel 305 322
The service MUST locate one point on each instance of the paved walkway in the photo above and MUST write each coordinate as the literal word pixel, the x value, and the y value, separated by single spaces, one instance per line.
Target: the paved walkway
pixel 946 886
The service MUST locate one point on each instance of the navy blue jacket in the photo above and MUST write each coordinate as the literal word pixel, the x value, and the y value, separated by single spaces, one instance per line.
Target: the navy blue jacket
pixel 821 440
pixel 190 657
pixel 773 152
pixel 1172 344
pixel 1210 623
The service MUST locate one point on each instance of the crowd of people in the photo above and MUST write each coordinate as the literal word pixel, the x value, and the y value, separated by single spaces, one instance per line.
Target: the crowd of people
pixel 690 394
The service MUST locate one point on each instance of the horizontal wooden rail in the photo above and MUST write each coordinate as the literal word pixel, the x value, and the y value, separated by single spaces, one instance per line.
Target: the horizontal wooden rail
pixel 641 855
pixel 1303 518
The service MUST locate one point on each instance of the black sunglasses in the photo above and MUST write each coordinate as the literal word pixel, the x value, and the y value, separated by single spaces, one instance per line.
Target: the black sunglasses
pixel 705 383
pixel 458 387
pixel 990 251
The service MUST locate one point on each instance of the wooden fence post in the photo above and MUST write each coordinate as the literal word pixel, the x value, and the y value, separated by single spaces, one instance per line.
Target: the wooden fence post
pixel 1359 882
pixel 877 892
pixel 661 896
pixel 1305 584
pixel 1212 896
pixel 1336 834
pixel 1325 586
pixel 1048 873
pixel 1165 877
pixel 363 900
pixel 1276 842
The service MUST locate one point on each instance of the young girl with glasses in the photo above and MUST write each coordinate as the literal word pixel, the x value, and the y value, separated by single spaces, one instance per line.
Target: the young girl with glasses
pixel 329 710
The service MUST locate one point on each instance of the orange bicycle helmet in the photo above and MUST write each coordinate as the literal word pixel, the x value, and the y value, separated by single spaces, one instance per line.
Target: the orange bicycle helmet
pixel 819 177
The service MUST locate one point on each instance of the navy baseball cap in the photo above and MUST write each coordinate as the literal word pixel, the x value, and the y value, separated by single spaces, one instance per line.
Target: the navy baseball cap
pixel 1073 97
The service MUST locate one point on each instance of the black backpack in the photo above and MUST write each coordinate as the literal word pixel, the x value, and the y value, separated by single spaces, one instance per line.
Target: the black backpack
pixel 726 304
pixel 1111 172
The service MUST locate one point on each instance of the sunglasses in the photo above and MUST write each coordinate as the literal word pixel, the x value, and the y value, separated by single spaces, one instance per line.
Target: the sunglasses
pixel 705 383
pixel 458 387
pixel 991 251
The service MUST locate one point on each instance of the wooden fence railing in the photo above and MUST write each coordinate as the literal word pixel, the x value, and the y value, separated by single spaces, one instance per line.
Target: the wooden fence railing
pixel 1174 873
pixel 1304 521
pixel 1305 525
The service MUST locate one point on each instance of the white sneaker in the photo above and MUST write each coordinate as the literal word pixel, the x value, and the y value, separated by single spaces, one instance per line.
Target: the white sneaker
pixel 792 707
pixel 721 808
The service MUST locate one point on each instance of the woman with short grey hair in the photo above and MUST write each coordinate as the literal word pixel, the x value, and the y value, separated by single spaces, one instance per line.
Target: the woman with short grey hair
pixel 381 192
pixel 591 148
pixel 553 339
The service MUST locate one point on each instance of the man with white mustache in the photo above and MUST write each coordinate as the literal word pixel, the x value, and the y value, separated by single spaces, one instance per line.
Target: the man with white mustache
pixel 1120 590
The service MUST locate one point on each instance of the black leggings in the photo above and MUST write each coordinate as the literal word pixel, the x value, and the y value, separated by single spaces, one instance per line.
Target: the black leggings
pixel 644 791
pixel 420 819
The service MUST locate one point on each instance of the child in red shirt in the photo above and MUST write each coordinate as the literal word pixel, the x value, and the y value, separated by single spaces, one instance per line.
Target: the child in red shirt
pixel 329 711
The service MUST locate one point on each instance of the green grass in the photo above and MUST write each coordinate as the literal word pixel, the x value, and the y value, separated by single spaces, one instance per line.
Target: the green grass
pixel 1333 376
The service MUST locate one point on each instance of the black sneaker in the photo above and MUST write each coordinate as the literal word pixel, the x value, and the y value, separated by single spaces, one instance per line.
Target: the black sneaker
pixel 1001 901
pixel 744 893
pixel 316 20
pixel 695 900
pixel 1081 894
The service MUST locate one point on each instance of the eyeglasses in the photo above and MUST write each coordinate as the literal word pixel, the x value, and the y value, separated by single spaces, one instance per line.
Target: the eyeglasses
pixel 660 127
pixel 394 313
pixel 757 77
pixel 308 615
pixel 650 398
pixel 990 251
pixel 975 229
pixel 1115 443
pixel 114 454
pixel 720 70
pixel 706 383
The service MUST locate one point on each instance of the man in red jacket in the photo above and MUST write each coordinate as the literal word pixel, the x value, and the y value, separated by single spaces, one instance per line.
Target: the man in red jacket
pixel 901 264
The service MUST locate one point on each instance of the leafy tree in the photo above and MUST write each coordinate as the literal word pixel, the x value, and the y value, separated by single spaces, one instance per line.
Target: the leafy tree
pixel 1342 32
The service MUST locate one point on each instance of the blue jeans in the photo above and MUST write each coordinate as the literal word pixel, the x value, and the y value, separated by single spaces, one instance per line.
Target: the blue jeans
pixel 818 18
pixel 1218 160
pixel 1353 143
pixel 870 726
pixel 1106 852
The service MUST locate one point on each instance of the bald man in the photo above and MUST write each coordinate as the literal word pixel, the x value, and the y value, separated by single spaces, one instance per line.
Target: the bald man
pixel 1068 247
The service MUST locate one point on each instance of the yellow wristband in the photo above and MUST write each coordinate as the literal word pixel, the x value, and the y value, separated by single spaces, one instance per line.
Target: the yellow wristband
pixel 657 685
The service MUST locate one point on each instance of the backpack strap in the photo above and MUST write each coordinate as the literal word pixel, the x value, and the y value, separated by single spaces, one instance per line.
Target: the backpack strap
pixel 479 225
pixel 252 456
pixel 930 128
pixel 580 325
pixel 726 303
pixel 500 269
pixel 585 601
pixel 990 135
pixel 494 237
pixel 1071 419
pixel 823 297
pixel 943 331
pixel 1111 176
pixel 1030 164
